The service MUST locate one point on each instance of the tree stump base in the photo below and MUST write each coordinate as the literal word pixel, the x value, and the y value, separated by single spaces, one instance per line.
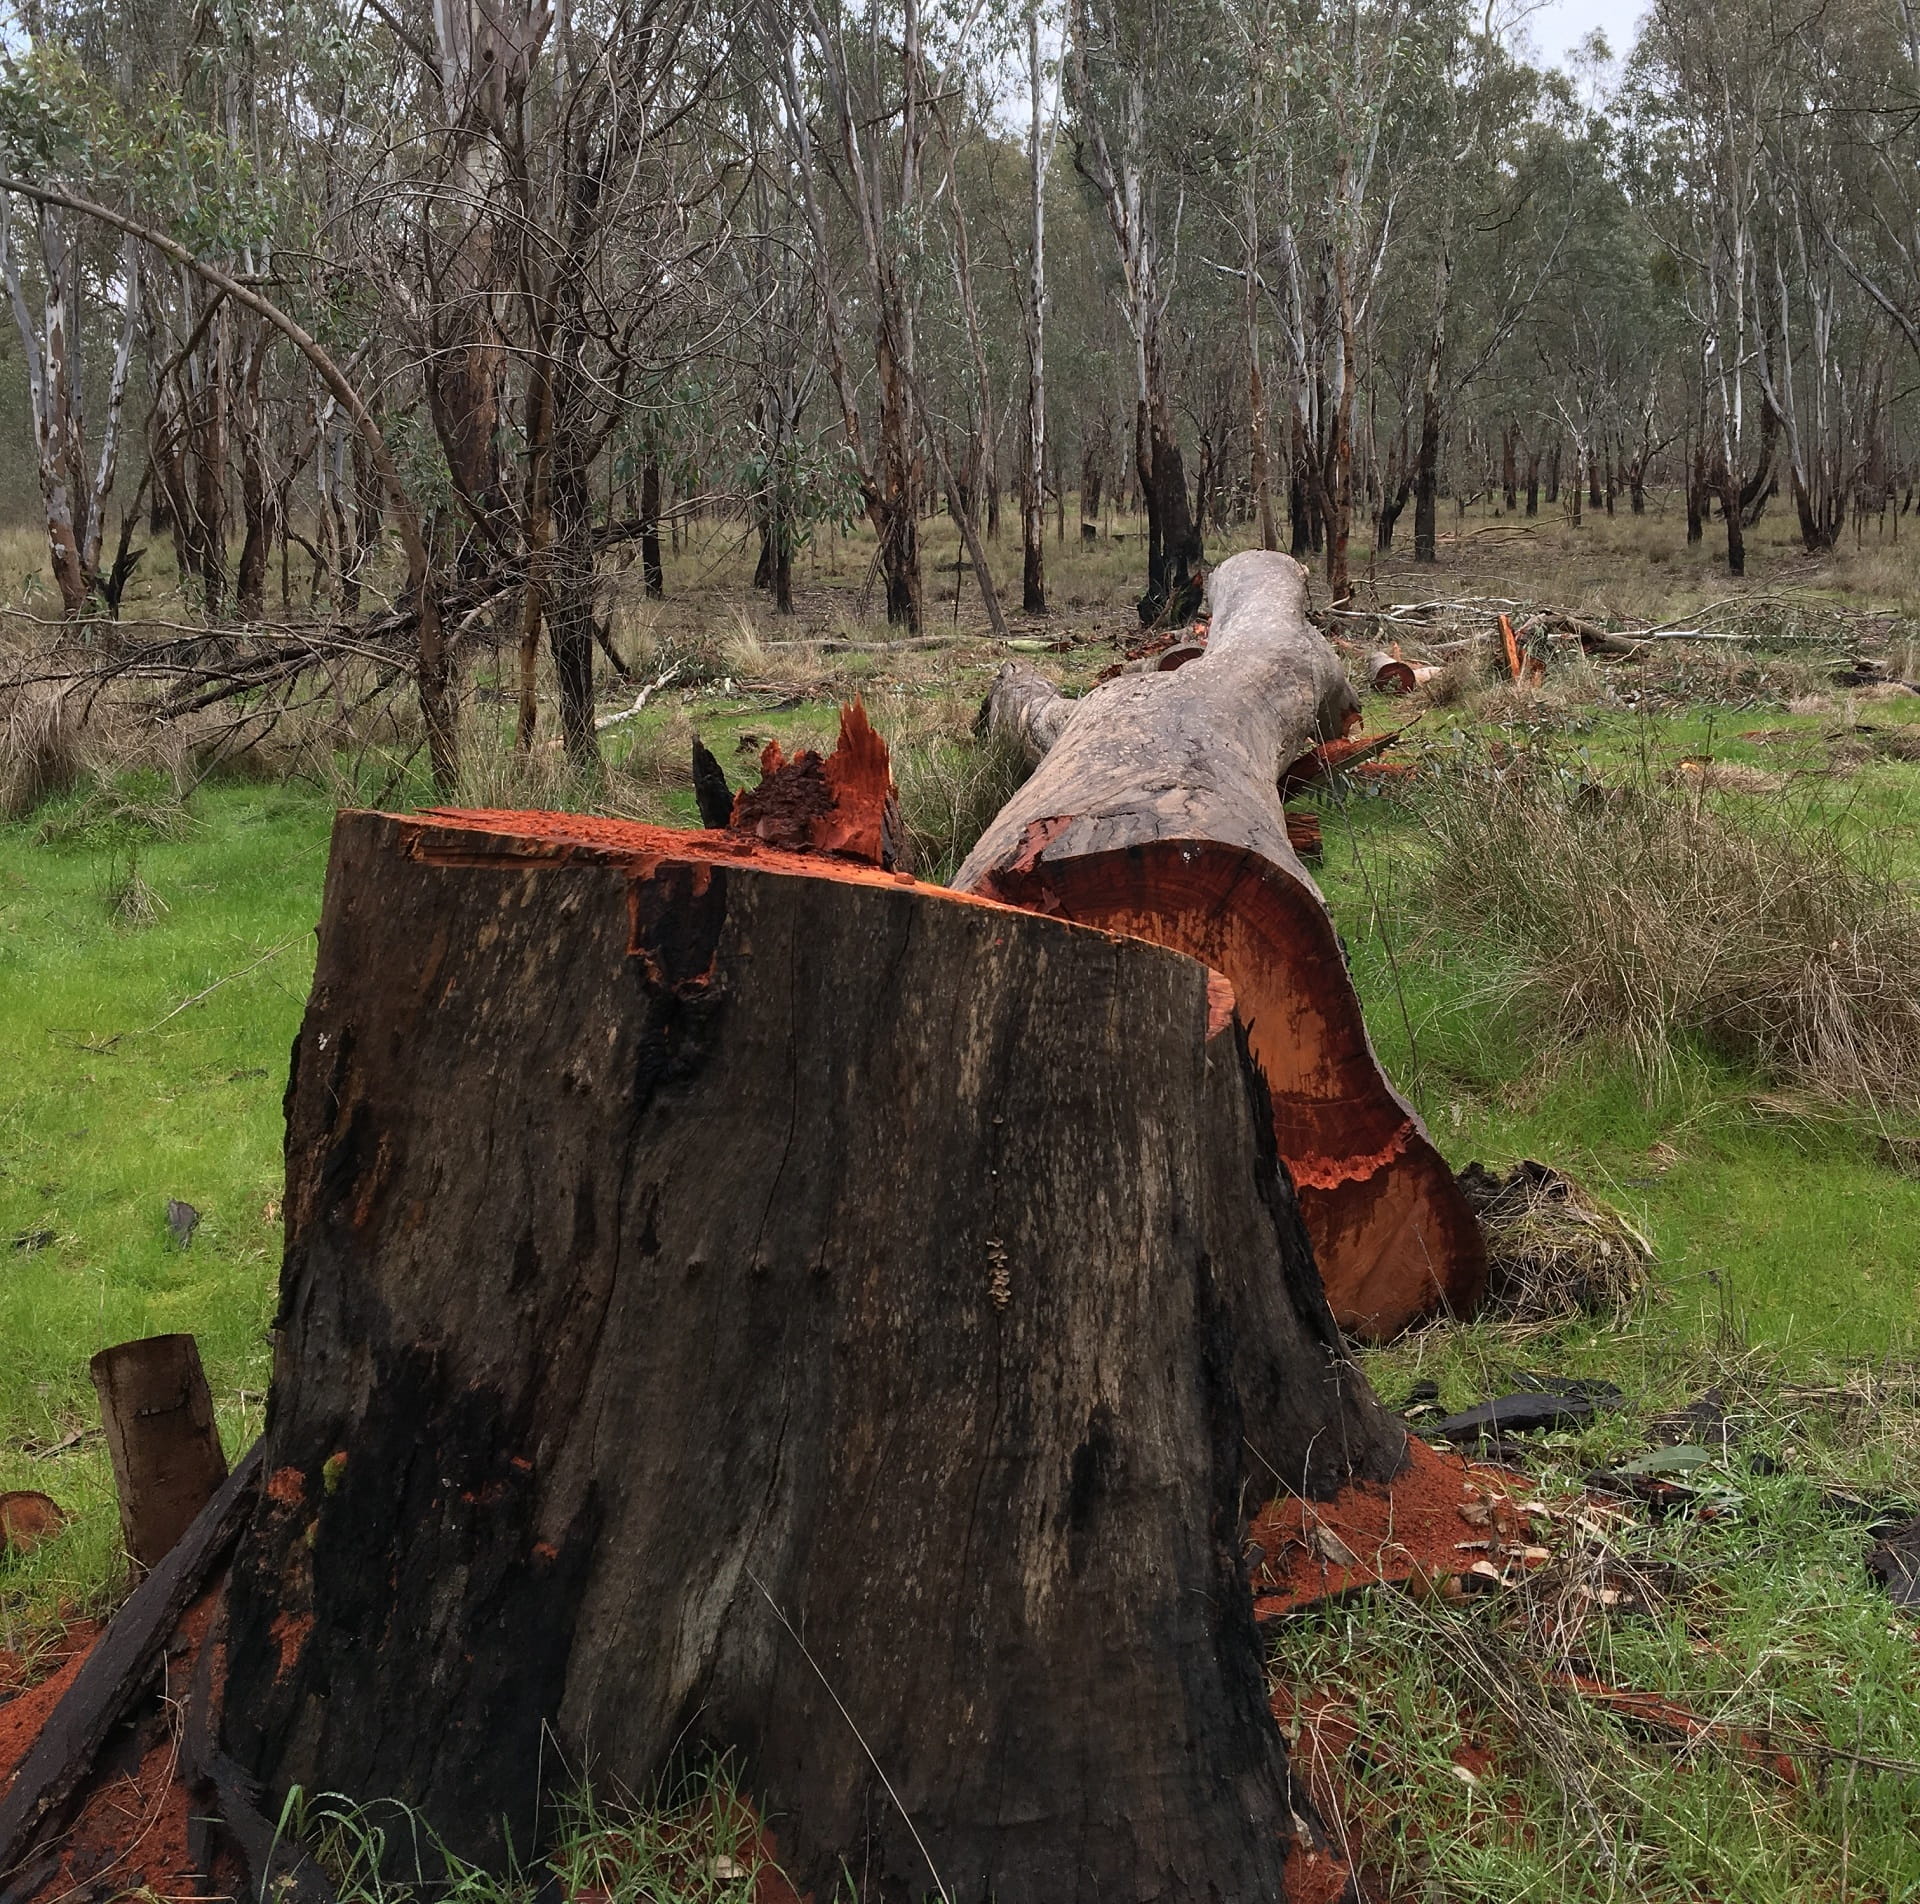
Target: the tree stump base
pixel 740 1302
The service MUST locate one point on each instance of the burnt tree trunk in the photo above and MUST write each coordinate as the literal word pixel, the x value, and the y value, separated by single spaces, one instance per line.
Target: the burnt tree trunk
pixel 734 1297
pixel 1156 811
pixel 1174 547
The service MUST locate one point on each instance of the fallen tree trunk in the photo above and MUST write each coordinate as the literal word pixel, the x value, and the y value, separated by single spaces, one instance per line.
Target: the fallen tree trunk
pixel 743 1301
pixel 1155 810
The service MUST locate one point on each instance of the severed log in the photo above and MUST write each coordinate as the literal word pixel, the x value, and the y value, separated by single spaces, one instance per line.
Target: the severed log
pixel 1156 811
pixel 747 1301
pixel 1389 674
pixel 167 1460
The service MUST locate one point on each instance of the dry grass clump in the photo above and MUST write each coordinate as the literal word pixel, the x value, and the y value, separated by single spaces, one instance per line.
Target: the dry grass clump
pixel 41 751
pixel 1658 920
pixel 130 902
pixel 951 782
pixel 1554 1250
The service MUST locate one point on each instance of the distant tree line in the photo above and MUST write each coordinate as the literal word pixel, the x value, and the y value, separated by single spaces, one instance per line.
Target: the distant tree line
pixel 527 283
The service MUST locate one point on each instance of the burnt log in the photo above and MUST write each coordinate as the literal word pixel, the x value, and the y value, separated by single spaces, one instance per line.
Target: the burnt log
pixel 738 1301
pixel 1156 810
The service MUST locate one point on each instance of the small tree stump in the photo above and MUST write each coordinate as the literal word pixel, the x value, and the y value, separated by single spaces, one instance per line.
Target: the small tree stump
pixel 167 1458
pixel 740 1303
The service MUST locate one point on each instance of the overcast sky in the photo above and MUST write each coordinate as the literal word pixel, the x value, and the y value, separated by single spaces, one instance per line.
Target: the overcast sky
pixel 1561 25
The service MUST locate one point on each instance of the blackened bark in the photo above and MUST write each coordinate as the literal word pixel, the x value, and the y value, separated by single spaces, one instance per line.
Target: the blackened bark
pixel 739 1323
pixel 1697 494
pixel 1174 548
pixel 1426 484
pixel 1731 512
pixel 1533 483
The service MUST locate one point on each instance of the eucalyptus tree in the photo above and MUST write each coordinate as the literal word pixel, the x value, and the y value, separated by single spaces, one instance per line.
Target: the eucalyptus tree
pixel 1138 82
pixel 853 105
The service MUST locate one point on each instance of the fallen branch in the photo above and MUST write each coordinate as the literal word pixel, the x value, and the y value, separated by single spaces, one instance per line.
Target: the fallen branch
pixel 646 694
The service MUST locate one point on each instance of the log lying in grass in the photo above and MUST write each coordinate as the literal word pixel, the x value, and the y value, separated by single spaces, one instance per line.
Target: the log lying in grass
pixel 743 1301
pixel 1156 811
pixel 1389 674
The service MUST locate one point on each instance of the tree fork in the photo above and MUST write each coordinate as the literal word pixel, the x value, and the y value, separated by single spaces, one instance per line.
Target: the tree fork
pixel 1156 810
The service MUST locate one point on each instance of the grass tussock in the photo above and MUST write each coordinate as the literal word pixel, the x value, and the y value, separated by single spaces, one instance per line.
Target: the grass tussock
pixel 131 903
pixel 1554 1250
pixel 951 781
pixel 693 1841
pixel 1649 916
pixel 41 751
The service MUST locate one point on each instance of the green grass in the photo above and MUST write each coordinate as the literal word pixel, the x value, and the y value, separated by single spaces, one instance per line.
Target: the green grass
pixel 114 1098
pixel 1760 1623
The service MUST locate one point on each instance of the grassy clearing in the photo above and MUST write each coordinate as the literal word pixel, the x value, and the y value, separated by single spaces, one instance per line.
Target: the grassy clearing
pixel 155 950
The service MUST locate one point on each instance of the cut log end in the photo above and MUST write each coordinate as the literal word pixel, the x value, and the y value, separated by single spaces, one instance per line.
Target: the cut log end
pixel 1392 1235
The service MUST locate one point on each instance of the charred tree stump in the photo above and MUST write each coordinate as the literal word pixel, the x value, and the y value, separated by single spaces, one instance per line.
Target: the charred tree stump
pixel 1155 810
pixel 734 1297
pixel 167 1458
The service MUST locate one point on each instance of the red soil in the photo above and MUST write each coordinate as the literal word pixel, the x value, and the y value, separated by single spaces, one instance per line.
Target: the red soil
pixel 1412 1528
pixel 131 1829
pixel 24 1707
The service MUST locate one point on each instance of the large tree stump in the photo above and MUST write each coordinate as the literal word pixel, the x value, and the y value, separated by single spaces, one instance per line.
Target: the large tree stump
pixel 735 1302
pixel 1155 810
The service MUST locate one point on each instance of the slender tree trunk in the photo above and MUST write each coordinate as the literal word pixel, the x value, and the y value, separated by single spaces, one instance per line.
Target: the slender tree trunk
pixel 1339 499
pixel 1508 472
pixel 49 397
pixel 1033 476
pixel 1426 484
pixel 1731 510
pixel 651 566
pixel 570 605
pixel 256 478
